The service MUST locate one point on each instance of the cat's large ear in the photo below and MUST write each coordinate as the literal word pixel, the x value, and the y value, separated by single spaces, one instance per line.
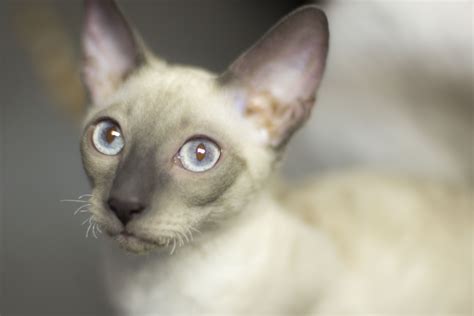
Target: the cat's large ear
pixel 280 74
pixel 110 49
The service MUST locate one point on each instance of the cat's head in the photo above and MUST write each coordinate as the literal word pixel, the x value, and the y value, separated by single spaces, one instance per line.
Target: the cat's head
pixel 170 149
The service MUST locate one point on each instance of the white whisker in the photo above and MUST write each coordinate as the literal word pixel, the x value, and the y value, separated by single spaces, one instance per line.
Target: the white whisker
pixel 184 238
pixel 84 195
pixel 81 208
pixel 98 228
pixel 174 247
pixel 74 201
pixel 190 233
pixel 93 230
pixel 195 229
pixel 86 220
pixel 89 228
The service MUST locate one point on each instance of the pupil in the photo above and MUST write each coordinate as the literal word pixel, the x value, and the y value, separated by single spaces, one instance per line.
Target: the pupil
pixel 111 133
pixel 200 152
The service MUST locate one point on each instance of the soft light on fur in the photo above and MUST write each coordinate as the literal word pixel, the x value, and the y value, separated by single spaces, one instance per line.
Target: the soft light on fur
pixel 228 240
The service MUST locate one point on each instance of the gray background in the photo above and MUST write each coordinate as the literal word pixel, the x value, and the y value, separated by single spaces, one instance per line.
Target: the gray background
pixel 403 104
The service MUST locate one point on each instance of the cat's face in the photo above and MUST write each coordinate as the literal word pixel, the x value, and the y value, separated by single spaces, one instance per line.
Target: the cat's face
pixel 167 121
pixel 173 150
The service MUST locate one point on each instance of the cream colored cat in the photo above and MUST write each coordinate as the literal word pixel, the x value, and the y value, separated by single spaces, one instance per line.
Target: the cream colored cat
pixel 181 162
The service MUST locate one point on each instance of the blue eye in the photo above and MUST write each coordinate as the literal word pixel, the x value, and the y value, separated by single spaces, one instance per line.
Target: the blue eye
pixel 199 154
pixel 107 138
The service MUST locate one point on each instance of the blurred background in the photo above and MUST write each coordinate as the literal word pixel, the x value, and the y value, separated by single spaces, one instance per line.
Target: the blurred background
pixel 397 96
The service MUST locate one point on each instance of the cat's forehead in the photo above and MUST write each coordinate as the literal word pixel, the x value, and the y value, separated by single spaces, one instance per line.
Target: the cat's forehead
pixel 170 89
pixel 160 101
pixel 165 93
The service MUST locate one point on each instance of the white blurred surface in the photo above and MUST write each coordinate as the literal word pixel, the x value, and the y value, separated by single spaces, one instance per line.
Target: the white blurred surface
pixel 397 93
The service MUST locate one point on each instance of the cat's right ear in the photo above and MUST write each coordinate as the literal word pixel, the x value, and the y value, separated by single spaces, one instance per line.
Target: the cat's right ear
pixel 110 49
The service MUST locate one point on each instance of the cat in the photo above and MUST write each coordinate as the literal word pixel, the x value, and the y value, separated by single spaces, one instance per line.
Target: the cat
pixel 182 163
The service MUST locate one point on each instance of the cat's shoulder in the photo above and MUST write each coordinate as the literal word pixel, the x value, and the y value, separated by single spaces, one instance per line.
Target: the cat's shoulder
pixel 383 206
pixel 383 225
pixel 370 193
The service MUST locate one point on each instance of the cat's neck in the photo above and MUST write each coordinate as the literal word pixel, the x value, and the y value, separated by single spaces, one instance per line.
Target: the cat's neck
pixel 256 249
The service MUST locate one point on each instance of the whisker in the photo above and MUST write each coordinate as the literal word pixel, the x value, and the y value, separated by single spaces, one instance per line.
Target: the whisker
pixel 81 208
pixel 188 231
pixel 195 229
pixel 178 239
pixel 74 201
pixel 186 237
pixel 174 247
pixel 84 195
pixel 89 228
pixel 98 228
pixel 86 220
pixel 93 230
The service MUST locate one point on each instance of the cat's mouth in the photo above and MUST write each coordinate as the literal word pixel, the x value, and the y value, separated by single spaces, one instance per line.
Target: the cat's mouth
pixel 134 243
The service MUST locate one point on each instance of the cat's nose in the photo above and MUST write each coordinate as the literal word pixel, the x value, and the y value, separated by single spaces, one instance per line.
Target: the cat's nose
pixel 125 208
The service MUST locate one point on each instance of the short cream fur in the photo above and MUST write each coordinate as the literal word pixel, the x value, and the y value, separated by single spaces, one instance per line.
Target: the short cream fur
pixel 255 248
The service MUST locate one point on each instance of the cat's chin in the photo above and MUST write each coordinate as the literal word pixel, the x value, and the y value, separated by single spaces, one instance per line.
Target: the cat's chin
pixel 135 244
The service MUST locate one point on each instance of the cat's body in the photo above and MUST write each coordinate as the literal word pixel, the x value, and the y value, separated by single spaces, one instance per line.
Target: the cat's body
pixel 181 162
pixel 326 248
pixel 405 243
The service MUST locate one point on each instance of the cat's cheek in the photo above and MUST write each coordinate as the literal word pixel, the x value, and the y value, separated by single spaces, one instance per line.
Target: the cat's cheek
pixel 207 188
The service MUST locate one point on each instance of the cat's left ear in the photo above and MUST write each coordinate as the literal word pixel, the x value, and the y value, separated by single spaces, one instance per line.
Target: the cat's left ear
pixel 278 76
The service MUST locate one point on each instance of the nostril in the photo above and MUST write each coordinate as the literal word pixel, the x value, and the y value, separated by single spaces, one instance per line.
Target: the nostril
pixel 125 208
pixel 137 211
pixel 112 207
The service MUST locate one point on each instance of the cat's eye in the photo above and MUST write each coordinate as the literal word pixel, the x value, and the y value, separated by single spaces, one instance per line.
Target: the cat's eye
pixel 107 138
pixel 199 154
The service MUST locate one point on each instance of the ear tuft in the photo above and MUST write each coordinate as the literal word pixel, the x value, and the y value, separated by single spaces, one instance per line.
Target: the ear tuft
pixel 282 71
pixel 110 50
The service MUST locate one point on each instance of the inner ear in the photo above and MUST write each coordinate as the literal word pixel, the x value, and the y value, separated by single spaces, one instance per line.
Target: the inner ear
pixel 111 51
pixel 280 74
